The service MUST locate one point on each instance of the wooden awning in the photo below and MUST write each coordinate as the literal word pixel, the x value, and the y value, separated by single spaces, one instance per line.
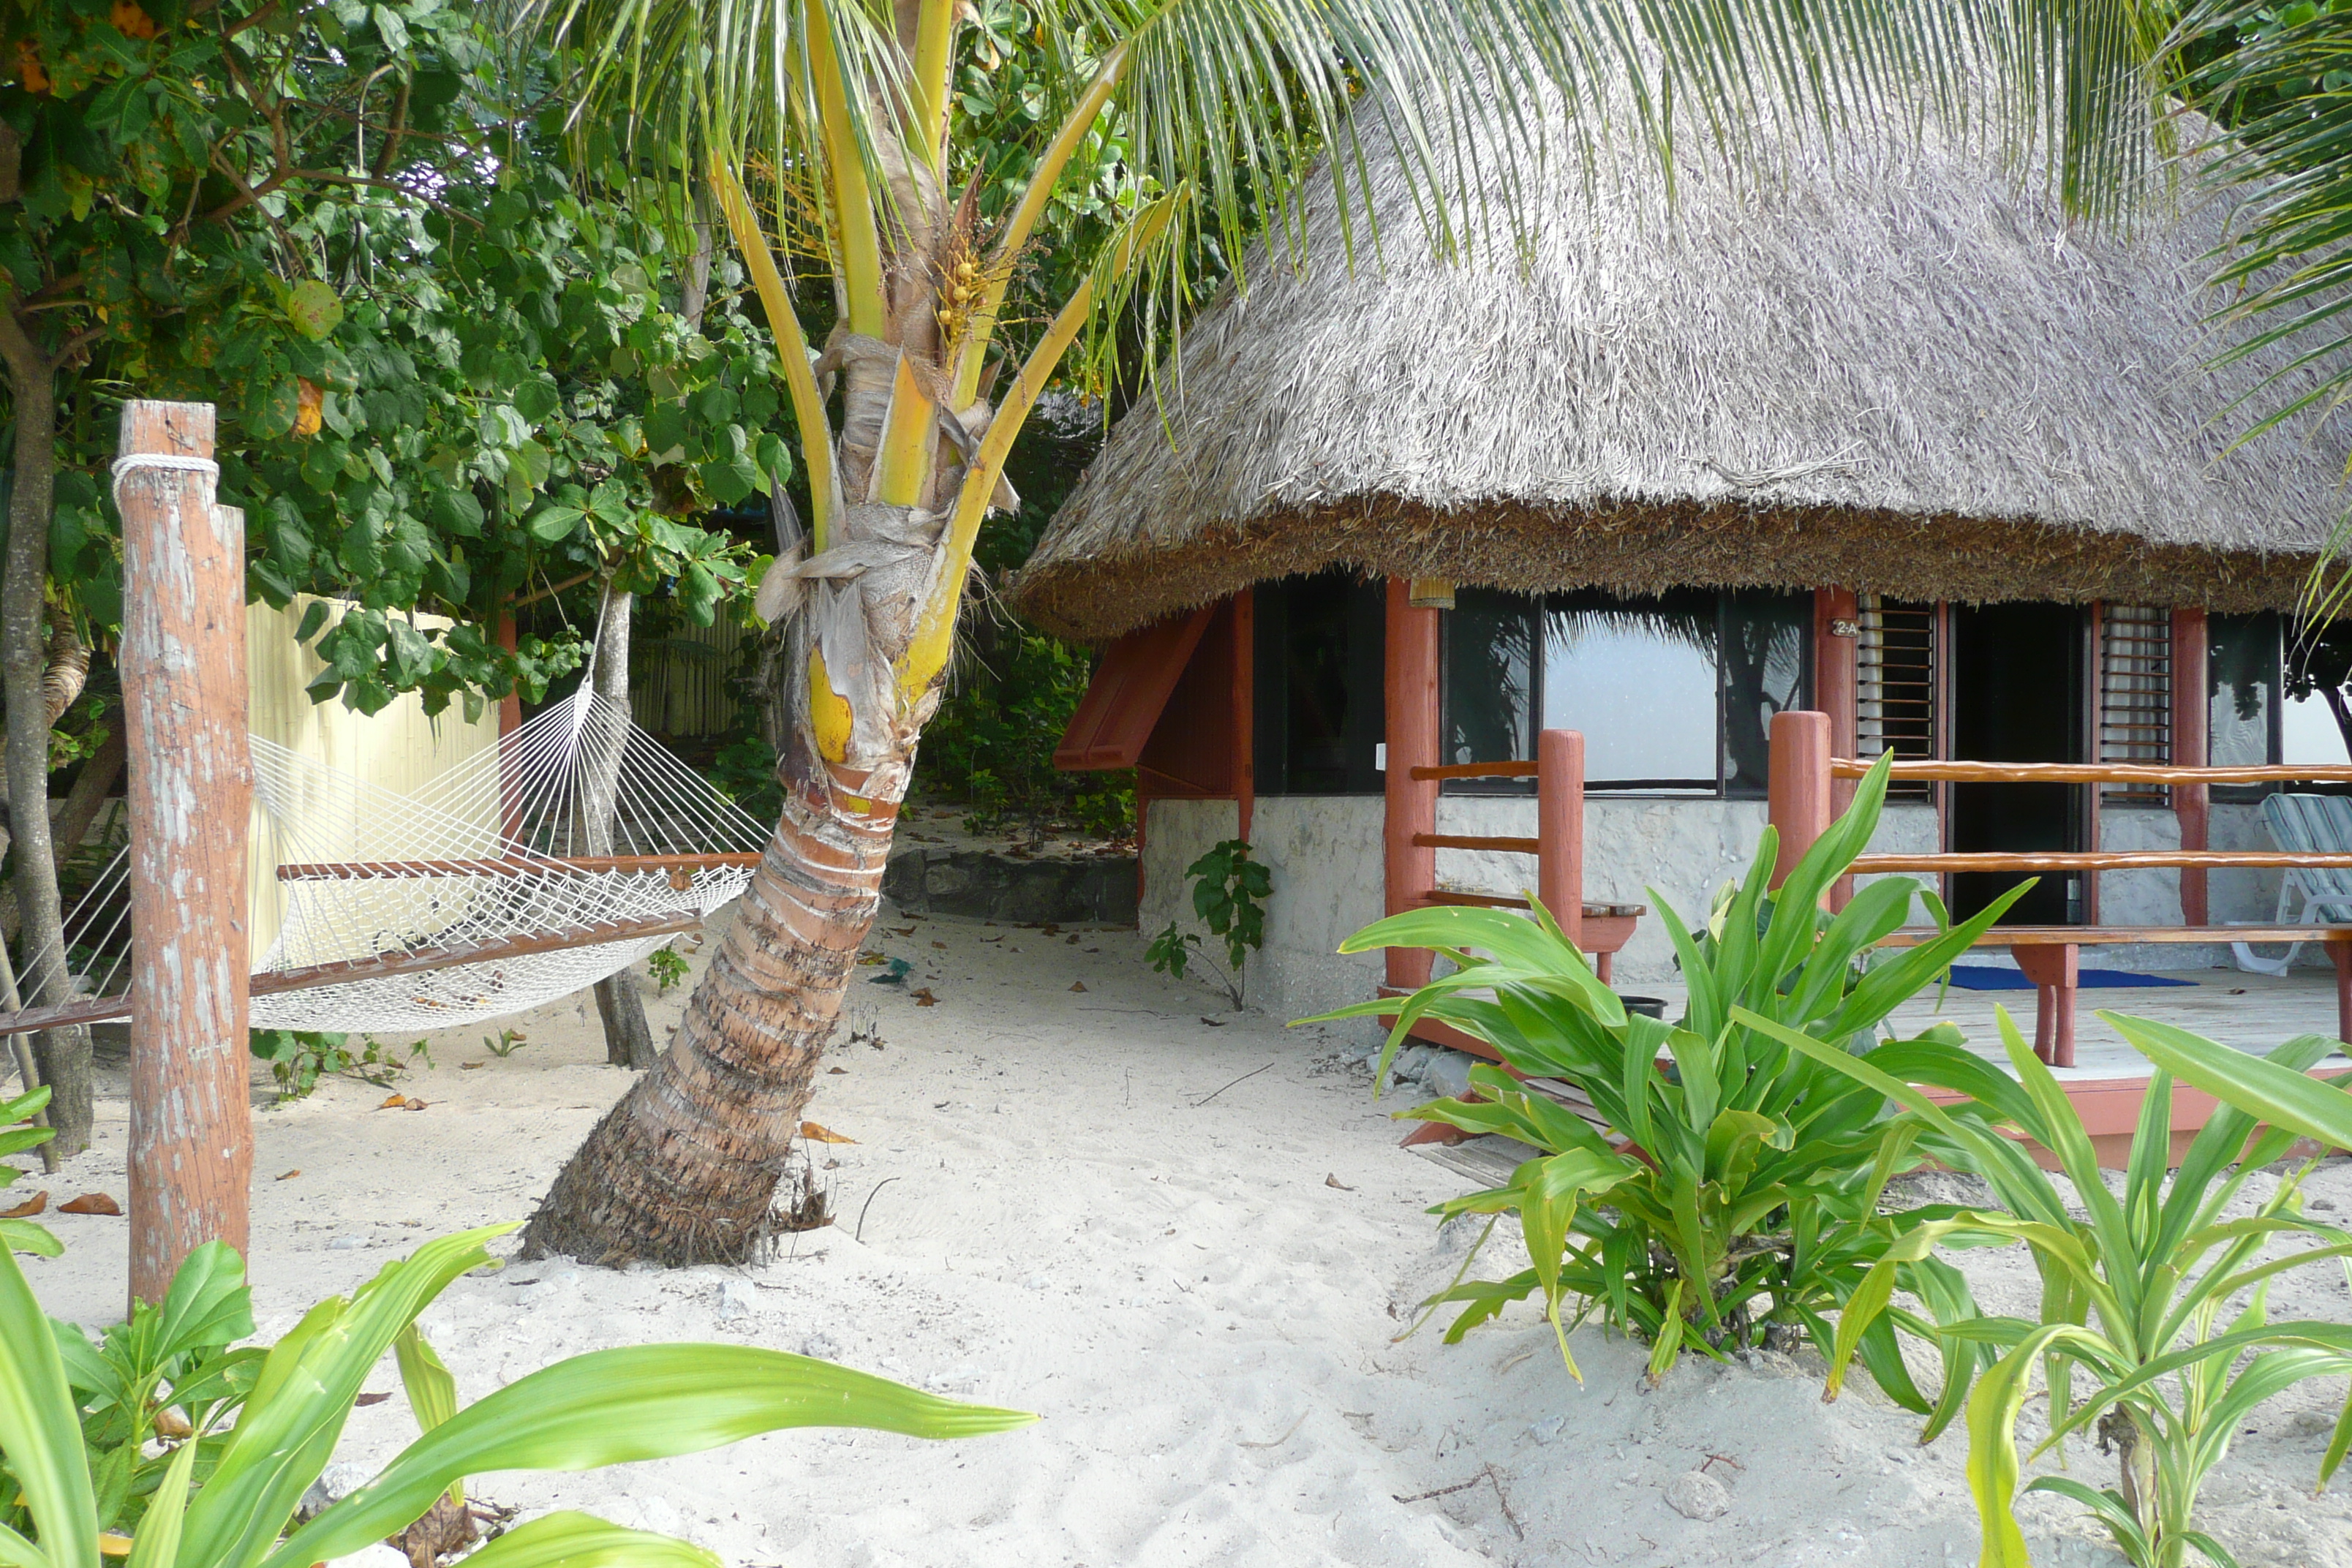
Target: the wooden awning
pixel 1130 687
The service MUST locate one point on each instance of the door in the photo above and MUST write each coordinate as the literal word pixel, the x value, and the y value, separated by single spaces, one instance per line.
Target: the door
pixel 2017 697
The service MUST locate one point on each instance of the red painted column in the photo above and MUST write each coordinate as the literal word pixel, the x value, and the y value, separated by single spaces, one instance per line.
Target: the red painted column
pixel 1245 708
pixel 1798 794
pixel 184 720
pixel 2191 742
pixel 510 823
pixel 1837 639
pixel 1412 713
pixel 1560 830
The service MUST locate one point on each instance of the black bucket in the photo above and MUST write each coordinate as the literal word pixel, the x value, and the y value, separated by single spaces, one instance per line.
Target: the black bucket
pixel 1648 1007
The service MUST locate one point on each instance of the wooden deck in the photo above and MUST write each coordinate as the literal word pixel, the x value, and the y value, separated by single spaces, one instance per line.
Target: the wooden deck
pixel 2110 1079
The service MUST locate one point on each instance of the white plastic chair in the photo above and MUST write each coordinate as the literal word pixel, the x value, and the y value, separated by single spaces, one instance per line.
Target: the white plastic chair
pixel 2306 824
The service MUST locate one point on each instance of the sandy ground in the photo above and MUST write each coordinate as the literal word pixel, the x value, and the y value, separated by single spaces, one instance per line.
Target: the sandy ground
pixel 1190 1247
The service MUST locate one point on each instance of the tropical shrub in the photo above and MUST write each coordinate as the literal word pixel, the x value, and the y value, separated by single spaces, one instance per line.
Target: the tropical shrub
pixel 224 1495
pixel 17 1134
pixel 1229 894
pixel 2155 1300
pixel 1736 1190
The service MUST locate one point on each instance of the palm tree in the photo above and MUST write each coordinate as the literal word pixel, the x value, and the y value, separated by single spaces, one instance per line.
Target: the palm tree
pixel 839 112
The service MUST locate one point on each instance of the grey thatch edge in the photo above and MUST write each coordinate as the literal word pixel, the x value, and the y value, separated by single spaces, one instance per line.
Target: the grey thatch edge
pixel 1646 547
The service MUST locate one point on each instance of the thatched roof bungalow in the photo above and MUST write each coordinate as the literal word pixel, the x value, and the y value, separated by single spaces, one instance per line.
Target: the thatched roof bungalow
pixel 1881 432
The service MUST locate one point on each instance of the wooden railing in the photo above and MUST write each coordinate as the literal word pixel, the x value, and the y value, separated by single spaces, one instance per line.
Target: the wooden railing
pixel 1802 770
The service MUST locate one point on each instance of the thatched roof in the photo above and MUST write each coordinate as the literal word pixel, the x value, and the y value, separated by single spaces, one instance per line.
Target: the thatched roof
pixel 1900 370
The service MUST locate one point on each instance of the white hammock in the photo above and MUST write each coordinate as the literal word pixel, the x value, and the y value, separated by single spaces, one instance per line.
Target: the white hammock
pixel 576 847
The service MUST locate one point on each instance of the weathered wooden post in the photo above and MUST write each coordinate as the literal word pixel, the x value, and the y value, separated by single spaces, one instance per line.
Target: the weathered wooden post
pixel 183 703
pixel 1560 830
pixel 1799 790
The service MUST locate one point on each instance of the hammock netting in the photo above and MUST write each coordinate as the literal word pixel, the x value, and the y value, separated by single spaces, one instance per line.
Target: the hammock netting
pixel 523 874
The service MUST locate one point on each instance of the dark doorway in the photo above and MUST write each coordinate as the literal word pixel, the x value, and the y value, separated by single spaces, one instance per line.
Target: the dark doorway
pixel 2017 697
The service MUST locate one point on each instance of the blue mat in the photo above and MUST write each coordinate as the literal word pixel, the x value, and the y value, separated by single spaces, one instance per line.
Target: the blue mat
pixel 1978 977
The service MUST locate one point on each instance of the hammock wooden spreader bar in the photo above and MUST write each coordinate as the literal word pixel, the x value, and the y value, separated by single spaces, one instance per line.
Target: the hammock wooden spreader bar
pixel 98 1009
pixel 508 866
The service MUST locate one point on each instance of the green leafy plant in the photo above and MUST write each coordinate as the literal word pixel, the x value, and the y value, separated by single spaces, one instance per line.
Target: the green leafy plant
pixel 668 966
pixel 226 1500
pixel 18 1133
pixel 1732 1185
pixel 2155 1298
pixel 298 1058
pixel 504 1044
pixel 1229 893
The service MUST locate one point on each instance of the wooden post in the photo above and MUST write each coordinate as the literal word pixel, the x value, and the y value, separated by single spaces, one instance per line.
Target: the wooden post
pixel 1797 792
pixel 2191 745
pixel 1560 830
pixel 1837 648
pixel 1412 718
pixel 183 707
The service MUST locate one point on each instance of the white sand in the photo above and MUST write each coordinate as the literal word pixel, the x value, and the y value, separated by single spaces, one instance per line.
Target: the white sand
pixel 1205 1323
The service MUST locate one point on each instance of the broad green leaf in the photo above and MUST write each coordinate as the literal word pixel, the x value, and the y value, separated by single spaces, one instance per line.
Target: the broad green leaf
pixel 314 308
pixel 2279 1095
pixel 615 1406
pixel 1992 1466
pixel 40 1431
pixel 157 1544
pixel 569 1539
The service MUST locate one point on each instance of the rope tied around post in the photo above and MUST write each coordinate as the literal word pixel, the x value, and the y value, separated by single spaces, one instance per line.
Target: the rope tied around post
pixel 131 462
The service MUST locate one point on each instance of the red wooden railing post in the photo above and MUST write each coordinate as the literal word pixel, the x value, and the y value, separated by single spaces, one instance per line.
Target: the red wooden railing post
pixel 184 720
pixel 1798 794
pixel 1413 741
pixel 1560 830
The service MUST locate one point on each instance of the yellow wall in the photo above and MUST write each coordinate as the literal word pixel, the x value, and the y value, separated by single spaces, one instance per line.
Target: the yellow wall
pixel 398 749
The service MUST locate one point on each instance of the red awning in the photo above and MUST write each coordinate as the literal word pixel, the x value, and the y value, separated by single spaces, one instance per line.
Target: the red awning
pixel 1130 687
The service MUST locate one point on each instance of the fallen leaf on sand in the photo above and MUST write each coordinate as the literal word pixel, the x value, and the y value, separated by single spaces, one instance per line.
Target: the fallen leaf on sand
pixel 903 930
pixel 414 1104
pixel 372 1399
pixel 836 1070
pixel 468 1067
pixel 91 1203
pixel 1336 1182
pixel 940 946
pixel 171 1424
pixel 395 1102
pixel 1213 1023
pixel 1078 986
pixel 28 1208
pixel 291 1175
pixel 924 998
pixel 817 1132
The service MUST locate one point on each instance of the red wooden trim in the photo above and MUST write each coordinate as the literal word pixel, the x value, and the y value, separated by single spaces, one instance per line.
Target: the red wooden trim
pixel 1798 791
pixel 1245 771
pixel 1514 770
pixel 2191 747
pixel 1560 830
pixel 1413 730
pixel 1130 686
pixel 1836 692
pixel 2102 773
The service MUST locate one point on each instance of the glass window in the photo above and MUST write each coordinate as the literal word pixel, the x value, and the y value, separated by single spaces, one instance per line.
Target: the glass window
pixel 1320 642
pixel 1674 693
pixel 2317 666
pixel 2242 684
pixel 1767 643
pixel 1638 677
pixel 1490 681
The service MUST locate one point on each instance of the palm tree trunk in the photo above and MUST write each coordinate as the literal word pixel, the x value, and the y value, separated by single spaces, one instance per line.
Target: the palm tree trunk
pixel 628 1040
pixel 63 1054
pixel 684 1169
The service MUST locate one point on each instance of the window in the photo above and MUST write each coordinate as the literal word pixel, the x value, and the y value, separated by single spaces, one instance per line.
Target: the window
pixel 1674 693
pixel 2241 696
pixel 2135 697
pixel 1319 649
pixel 1895 681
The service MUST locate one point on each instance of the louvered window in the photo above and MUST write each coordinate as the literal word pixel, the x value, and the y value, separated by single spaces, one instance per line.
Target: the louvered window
pixel 1896 685
pixel 2135 696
